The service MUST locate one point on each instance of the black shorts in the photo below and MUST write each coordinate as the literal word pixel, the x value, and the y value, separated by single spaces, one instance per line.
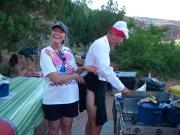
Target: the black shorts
pixel 98 87
pixel 91 81
pixel 55 112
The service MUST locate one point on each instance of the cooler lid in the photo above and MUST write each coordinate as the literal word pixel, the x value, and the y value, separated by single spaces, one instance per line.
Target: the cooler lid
pixel 126 74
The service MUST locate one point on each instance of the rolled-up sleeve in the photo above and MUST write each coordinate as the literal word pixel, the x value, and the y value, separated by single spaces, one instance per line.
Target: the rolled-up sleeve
pixel 46 63
pixel 98 55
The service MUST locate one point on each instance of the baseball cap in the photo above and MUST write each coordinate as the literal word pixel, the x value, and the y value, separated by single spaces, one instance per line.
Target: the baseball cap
pixel 120 28
pixel 60 25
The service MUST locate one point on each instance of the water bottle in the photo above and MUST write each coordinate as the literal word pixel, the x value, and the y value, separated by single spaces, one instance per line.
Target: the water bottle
pixel 149 75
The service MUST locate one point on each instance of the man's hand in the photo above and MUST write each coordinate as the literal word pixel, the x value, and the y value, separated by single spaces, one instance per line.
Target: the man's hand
pixel 125 91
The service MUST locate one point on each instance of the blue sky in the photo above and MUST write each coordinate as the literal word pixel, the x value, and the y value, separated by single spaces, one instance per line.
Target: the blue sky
pixel 162 9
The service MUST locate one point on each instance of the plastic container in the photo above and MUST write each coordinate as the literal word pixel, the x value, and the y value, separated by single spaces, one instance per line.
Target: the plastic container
pixel 7 127
pixel 128 79
pixel 4 90
pixel 175 90
pixel 4 86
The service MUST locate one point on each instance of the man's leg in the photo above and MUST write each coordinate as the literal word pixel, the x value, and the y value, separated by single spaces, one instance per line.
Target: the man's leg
pixel 91 127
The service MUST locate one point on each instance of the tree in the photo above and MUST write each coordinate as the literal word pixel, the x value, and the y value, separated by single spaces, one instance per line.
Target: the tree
pixel 17 24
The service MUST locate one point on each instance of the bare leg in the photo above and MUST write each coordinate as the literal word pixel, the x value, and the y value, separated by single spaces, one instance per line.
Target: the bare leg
pixel 91 127
pixel 87 129
pixel 66 125
pixel 54 127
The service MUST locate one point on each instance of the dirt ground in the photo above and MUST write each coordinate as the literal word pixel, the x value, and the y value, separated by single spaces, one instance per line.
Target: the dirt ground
pixel 172 83
pixel 79 122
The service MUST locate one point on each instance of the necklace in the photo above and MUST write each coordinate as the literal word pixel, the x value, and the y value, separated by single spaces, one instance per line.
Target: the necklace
pixel 61 55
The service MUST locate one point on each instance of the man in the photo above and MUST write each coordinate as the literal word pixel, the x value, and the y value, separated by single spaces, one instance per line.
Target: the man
pixel 98 56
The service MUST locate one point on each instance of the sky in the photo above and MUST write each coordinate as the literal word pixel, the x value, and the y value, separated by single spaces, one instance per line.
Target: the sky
pixel 162 9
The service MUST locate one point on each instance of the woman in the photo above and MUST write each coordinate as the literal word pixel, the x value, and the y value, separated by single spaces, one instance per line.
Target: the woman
pixel 60 95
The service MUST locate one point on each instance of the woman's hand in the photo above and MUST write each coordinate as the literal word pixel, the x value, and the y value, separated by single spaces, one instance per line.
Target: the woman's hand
pixel 80 70
pixel 90 68
pixel 78 78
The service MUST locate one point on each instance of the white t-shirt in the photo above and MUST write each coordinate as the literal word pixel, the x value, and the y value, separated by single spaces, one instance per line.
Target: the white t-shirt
pixel 98 55
pixel 58 93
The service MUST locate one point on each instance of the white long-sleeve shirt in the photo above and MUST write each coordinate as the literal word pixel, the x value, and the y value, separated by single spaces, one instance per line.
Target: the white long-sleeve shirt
pixel 98 55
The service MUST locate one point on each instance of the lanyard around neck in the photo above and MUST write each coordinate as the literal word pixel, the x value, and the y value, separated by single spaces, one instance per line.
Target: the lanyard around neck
pixel 60 54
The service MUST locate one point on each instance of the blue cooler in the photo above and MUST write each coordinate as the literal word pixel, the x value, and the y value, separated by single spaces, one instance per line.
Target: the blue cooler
pixel 149 113
pixel 4 86
pixel 173 115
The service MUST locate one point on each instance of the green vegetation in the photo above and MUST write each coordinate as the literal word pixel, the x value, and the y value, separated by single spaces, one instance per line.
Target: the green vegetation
pixel 26 23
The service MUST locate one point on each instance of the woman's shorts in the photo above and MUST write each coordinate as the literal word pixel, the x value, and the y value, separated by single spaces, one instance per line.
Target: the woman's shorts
pixel 57 111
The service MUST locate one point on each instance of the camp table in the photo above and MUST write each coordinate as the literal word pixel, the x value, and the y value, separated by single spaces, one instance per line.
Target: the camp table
pixel 23 110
